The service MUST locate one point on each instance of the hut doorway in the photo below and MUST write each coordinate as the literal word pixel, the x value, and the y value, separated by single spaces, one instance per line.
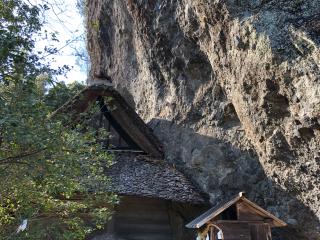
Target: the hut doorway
pixel 215 233
pixel 212 232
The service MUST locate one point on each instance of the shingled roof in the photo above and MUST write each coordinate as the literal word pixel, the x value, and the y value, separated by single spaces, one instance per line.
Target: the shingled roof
pixel 149 177
pixel 134 173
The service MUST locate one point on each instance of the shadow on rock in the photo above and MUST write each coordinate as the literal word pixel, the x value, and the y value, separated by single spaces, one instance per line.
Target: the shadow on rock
pixel 222 170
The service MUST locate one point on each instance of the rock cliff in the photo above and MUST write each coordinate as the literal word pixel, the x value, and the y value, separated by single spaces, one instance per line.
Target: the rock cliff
pixel 231 88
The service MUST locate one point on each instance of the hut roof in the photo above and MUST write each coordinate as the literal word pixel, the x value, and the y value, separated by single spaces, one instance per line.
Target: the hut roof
pixel 215 211
pixel 135 175
pixel 119 110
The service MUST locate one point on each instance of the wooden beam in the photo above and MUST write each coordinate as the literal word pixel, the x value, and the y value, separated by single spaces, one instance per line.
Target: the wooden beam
pixel 105 111
pixel 211 213
pixel 122 113
pixel 236 221
pixel 259 210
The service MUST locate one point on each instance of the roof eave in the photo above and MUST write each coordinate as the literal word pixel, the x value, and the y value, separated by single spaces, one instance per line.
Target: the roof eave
pixel 141 133
pixel 204 218
pixel 276 222
pixel 215 211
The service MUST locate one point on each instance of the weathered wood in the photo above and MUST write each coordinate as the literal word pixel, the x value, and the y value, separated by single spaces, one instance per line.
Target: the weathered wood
pixel 125 116
pixel 133 124
pixel 116 127
pixel 176 222
pixel 235 231
pixel 142 218
pixel 114 141
pixel 276 222
pixel 138 218
pixel 180 214
pixel 260 231
pixel 211 213
pixel 248 213
pixel 237 221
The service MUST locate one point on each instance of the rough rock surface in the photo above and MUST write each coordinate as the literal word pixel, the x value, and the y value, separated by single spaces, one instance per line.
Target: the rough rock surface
pixel 232 88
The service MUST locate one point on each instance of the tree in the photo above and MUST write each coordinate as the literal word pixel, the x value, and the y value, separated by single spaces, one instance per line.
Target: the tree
pixel 52 178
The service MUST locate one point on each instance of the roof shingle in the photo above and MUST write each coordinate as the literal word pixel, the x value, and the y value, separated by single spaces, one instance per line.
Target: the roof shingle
pixel 149 177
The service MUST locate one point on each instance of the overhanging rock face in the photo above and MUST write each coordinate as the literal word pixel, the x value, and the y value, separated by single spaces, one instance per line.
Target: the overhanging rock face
pixel 230 87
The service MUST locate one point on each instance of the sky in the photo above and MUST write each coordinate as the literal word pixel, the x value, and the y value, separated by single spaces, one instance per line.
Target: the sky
pixel 64 19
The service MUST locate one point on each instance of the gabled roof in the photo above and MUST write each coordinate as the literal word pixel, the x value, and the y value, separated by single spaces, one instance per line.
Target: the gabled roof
pixel 134 175
pixel 215 211
pixel 117 109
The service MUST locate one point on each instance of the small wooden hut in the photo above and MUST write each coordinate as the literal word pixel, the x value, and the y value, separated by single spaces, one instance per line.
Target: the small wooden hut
pixel 238 219
pixel 156 200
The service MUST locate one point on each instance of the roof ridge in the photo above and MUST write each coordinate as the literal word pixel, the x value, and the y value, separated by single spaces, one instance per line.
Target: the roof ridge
pixel 219 208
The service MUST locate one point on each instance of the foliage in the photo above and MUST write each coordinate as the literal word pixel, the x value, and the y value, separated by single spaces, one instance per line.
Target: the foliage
pixel 61 93
pixel 50 173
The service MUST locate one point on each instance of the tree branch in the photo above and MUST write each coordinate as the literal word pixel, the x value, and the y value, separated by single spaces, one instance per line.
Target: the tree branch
pixel 14 159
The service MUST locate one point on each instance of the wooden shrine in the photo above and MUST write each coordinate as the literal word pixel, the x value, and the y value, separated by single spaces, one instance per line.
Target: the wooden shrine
pixel 238 219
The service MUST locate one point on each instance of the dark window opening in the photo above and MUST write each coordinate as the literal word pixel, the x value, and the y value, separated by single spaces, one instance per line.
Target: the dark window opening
pixel 118 138
pixel 230 213
pixel 114 140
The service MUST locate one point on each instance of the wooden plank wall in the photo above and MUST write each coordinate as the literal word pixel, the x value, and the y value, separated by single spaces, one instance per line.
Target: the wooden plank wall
pixel 142 219
pixel 260 231
pixel 247 213
pixel 235 231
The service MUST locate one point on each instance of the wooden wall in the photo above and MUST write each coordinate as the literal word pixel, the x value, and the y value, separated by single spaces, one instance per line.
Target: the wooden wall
pixel 139 218
pixel 142 219
pixel 234 230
